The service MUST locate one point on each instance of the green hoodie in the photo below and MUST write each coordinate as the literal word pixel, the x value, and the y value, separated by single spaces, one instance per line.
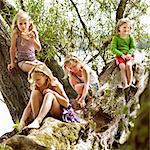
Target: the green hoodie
pixel 121 46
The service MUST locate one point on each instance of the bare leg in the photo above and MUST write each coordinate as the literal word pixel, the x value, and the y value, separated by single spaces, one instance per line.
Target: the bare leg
pixel 77 86
pixel 129 72
pixel 36 100
pixel 73 81
pixel 79 89
pixel 25 67
pixel 46 106
pixel 123 74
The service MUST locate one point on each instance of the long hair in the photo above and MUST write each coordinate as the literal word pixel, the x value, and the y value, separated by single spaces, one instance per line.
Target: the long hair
pixel 23 15
pixel 42 69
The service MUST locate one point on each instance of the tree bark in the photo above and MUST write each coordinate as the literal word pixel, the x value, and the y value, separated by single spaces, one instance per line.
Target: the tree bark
pixel 14 86
pixel 139 138
pixel 121 9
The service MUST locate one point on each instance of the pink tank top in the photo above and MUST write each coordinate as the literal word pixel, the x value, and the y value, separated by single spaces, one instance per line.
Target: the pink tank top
pixel 25 50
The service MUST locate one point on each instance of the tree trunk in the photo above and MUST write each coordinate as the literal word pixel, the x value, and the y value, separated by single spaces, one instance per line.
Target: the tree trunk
pixel 139 138
pixel 121 9
pixel 14 86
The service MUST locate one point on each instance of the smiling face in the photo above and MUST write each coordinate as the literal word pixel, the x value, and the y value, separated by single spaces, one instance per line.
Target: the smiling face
pixel 124 29
pixel 39 79
pixel 23 24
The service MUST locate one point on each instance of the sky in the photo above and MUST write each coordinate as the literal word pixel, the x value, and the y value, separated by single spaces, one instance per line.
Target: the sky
pixel 146 20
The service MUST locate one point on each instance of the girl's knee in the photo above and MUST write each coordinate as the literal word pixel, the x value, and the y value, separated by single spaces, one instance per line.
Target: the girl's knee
pixel 79 88
pixel 129 65
pixel 122 66
pixel 49 95
pixel 36 95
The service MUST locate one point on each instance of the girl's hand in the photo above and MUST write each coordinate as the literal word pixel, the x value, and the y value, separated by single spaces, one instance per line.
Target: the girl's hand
pixel 31 36
pixel 11 67
pixel 81 102
pixel 47 91
pixel 28 36
pixel 128 56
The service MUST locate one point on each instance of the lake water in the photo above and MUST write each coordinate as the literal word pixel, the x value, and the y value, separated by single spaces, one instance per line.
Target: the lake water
pixel 6 122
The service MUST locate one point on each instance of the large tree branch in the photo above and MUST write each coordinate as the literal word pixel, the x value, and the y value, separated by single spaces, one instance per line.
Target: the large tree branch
pixel 121 9
pixel 82 23
pixel 88 35
pixel 102 47
pixel 22 5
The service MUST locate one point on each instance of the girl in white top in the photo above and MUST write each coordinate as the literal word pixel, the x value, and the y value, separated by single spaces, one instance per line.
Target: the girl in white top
pixel 82 78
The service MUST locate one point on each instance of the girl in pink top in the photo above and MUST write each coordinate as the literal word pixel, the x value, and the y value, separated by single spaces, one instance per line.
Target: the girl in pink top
pixel 24 42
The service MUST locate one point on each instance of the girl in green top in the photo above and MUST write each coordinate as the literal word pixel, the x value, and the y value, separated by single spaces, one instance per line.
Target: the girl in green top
pixel 122 47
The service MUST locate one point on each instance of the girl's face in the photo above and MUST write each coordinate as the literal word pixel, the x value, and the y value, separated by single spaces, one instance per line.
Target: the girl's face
pixel 124 29
pixel 73 67
pixel 23 24
pixel 39 79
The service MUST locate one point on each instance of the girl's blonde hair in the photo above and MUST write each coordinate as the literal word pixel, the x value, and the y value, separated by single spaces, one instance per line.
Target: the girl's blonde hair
pixel 70 59
pixel 23 15
pixel 43 70
pixel 123 21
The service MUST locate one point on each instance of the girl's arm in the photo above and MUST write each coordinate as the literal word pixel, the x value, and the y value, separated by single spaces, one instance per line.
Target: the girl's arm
pixel 33 36
pixel 62 100
pixel 114 47
pixel 61 95
pixel 36 41
pixel 13 49
pixel 86 79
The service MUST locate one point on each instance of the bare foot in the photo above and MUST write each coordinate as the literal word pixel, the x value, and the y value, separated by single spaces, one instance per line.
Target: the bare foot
pixel 78 97
pixel 133 86
pixel 126 86
pixel 35 124
pixel 82 103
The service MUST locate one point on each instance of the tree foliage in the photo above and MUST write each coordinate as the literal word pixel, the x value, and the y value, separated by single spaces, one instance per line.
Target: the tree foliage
pixel 84 27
